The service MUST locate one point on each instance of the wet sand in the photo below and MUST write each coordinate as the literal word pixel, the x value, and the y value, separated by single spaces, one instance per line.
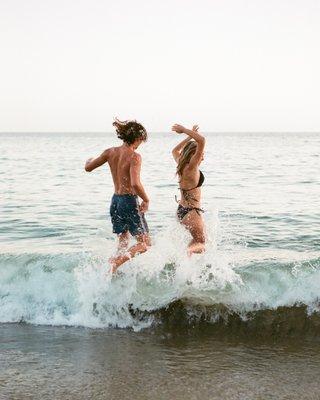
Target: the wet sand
pixel 38 362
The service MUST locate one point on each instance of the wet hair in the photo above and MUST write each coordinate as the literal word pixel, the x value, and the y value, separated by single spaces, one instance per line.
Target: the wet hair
pixel 130 131
pixel 185 156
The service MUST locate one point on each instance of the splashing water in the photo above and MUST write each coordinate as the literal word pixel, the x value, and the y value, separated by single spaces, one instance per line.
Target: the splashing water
pixel 76 289
pixel 262 261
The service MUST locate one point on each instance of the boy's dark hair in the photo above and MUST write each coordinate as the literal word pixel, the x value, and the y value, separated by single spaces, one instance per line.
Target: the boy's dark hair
pixel 129 131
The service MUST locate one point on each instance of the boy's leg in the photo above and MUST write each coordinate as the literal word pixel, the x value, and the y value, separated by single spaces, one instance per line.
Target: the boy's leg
pixel 143 242
pixel 137 225
pixel 123 241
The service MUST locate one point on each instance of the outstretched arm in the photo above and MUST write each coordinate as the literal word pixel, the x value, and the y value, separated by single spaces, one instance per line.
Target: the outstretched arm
pixel 177 150
pixel 135 168
pixel 94 163
pixel 201 141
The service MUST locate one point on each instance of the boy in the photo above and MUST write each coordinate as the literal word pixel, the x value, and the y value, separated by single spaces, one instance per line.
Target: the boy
pixel 127 215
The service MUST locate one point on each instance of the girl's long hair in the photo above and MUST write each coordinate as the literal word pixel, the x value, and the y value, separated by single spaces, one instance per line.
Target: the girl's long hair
pixel 185 156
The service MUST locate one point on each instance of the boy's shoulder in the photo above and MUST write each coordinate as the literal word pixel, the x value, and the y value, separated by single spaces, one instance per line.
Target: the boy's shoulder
pixel 136 157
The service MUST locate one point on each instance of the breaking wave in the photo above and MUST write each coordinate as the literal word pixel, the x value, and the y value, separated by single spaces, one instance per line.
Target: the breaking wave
pixel 237 291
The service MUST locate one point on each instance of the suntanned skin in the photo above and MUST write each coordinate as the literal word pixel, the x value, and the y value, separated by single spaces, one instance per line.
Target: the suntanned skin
pixel 189 179
pixel 125 167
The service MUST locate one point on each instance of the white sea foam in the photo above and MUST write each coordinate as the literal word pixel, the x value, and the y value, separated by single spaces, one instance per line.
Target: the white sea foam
pixel 56 238
pixel 76 289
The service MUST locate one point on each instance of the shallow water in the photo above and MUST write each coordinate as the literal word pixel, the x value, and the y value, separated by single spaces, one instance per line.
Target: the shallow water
pixel 240 321
pixel 261 197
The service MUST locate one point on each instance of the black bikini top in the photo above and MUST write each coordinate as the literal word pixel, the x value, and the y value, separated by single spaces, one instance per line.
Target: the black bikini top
pixel 200 183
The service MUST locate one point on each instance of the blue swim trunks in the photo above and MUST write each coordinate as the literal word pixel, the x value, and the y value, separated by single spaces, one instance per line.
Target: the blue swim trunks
pixel 126 216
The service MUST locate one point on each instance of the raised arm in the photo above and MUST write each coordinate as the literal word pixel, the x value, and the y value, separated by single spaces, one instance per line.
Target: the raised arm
pixel 94 163
pixel 193 134
pixel 135 168
pixel 177 150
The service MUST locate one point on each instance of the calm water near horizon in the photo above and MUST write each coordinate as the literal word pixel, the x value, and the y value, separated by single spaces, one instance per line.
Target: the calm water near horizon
pixel 241 321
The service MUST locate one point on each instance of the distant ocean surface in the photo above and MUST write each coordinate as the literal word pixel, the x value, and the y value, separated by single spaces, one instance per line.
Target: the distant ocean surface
pixel 260 276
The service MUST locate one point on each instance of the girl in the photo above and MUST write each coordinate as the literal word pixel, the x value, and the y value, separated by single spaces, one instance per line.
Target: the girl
pixel 188 155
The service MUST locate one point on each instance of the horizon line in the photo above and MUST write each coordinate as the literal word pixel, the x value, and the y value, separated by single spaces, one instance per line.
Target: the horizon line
pixel 156 132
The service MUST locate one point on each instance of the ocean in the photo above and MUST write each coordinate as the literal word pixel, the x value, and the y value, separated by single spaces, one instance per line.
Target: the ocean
pixel 241 321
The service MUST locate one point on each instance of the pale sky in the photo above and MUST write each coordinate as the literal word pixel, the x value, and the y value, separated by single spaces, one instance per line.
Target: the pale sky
pixel 228 65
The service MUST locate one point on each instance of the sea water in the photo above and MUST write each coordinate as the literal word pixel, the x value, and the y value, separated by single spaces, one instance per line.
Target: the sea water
pixel 258 280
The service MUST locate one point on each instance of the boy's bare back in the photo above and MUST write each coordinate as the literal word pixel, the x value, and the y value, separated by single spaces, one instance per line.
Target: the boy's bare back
pixel 119 160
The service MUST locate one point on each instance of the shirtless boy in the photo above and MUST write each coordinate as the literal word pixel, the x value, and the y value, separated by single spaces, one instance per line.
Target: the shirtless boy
pixel 127 215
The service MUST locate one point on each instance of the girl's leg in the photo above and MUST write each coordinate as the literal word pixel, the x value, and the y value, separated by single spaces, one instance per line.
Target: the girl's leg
pixel 196 248
pixel 194 223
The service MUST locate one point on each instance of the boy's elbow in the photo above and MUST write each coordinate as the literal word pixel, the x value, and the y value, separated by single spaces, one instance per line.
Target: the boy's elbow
pixel 87 168
pixel 135 186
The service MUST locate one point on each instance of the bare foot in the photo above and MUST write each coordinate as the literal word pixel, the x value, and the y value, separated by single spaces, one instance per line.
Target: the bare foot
pixel 112 265
pixel 117 261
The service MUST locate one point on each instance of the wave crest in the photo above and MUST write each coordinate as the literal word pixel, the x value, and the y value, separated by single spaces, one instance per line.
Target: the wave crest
pixel 209 292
